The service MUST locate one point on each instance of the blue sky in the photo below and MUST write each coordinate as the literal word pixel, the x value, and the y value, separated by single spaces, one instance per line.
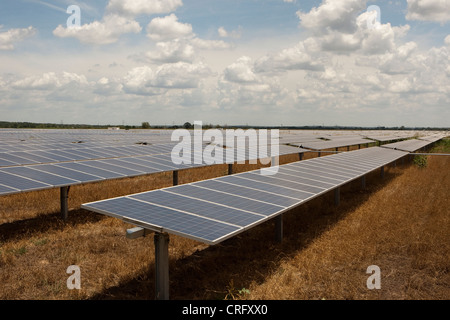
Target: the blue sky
pixel 254 62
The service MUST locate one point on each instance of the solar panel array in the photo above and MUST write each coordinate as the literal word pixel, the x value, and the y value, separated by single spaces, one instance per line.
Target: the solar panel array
pixel 43 169
pixel 408 145
pixel 217 209
pixel 41 159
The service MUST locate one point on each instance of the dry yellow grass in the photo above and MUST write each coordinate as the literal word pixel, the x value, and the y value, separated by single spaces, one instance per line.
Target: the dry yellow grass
pixel 400 223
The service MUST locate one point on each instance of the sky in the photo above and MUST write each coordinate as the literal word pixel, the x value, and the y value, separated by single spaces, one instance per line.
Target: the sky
pixel 226 62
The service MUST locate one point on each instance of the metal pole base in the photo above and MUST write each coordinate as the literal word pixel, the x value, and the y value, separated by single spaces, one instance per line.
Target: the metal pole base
pixel 161 266
pixel 175 177
pixel 337 196
pixel 64 196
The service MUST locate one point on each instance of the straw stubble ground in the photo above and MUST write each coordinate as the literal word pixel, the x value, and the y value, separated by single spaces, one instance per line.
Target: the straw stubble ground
pixel 400 223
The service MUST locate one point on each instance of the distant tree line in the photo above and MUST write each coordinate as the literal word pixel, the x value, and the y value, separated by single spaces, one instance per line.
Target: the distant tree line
pixel 188 125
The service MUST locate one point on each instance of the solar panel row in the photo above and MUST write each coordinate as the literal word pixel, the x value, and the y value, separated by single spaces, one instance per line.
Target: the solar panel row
pixel 14 179
pixel 217 209
pixel 77 154
pixel 408 145
pixel 334 143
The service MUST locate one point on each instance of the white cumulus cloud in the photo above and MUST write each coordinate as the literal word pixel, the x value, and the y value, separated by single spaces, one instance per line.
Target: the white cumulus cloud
pixel 136 7
pixel 102 32
pixel 168 28
pixel 429 10
pixel 11 36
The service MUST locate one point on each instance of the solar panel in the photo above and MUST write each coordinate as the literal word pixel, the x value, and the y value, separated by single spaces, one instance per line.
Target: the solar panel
pixel 259 195
pixel 246 199
pixel 158 218
pixel 34 157
pixel 19 160
pixel 147 163
pixel 40 176
pixel 305 174
pixel 202 208
pixel 254 184
pixel 21 184
pixel 102 174
pixel 4 190
pixel 407 145
pixel 110 167
pixel 278 180
pixel 6 163
pixel 234 201
pixel 68 173
pixel 51 155
pixel 129 165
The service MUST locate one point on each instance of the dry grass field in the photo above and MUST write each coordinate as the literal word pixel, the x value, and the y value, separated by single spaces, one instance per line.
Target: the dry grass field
pixel 400 223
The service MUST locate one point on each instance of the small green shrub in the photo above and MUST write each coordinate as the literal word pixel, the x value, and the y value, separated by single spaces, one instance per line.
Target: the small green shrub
pixel 420 161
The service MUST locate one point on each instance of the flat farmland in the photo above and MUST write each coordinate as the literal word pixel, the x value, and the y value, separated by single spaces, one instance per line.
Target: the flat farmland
pixel 399 223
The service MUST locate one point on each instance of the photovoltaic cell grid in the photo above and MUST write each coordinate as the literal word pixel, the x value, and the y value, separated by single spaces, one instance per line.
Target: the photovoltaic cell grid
pixel 333 143
pixel 408 145
pixel 76 163
pixel 216 209
pixel 83 169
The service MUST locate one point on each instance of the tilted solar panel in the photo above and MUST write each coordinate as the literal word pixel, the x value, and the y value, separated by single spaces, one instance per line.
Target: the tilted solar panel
pixel 242 200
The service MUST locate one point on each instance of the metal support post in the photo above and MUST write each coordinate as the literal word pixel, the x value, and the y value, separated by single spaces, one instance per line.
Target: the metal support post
pixel 300 156
pixel 175 177
pixel 230 168
pixel 363 182
pixel 337 196
pixel 161 266
pixel 64 195
pixel 382 172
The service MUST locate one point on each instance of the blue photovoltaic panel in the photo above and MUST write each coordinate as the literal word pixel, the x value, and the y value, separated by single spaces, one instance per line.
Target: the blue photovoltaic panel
pixel 154 217
pixel 7 190
pixel 304 173
pixel 198 207
pixel 34 157
pixel 16 159
pixel 6 163
pixel 70 154
pixel 142 161
pixel 233 201
pixel 133 166
pixel 40 176
pixel 332 172
pixel 167 161
pixel 298 177
pixel 68 173
pixel 314 172
pixel 49 154
pixel 110 167
pixel 279 181
pixel 88 153
pixel 300 195
pixel 19 183
pixel 104 174
pixel 259 195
